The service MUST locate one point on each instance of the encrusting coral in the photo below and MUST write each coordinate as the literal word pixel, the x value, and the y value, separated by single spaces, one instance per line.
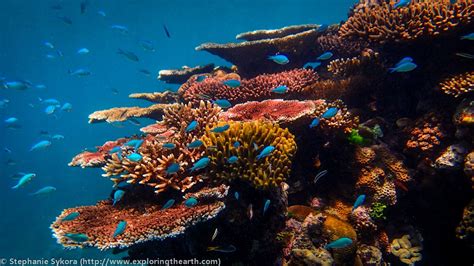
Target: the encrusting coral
pixel 145 220
pixel 459 84
pixel 253 137
pixel 383 23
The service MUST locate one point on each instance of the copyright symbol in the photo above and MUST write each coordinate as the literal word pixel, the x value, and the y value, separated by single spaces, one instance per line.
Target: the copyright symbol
pixel 3 261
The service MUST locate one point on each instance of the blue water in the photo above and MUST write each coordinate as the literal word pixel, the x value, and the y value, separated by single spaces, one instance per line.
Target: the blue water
pixel 25 25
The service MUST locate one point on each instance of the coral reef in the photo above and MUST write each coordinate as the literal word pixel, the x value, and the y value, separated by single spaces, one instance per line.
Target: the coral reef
pixel 97 158
pixel 179 76
pixel 121 114
pixel 383 23
pixel 459 84
pixel 469 166
pixel 427 134
pixel 156 97
pixel 465 229
pixel 253 137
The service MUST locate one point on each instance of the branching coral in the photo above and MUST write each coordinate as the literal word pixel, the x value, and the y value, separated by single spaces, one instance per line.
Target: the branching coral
pixel 459 84
pixel 253 137
pixel 258 88
pixel 427 133
pixel 350 66
pixel 421 19
pixel 145 221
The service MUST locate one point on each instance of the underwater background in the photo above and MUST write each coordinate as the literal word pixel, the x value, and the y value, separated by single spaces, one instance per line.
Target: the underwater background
pixel 26 25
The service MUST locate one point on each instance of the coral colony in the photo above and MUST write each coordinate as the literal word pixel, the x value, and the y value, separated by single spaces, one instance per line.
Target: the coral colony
pixel 230 165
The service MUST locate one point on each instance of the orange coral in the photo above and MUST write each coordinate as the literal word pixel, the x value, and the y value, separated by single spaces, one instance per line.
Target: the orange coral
pixel 459 84
pixel 344 67
pixel 421 19
pixel 427 133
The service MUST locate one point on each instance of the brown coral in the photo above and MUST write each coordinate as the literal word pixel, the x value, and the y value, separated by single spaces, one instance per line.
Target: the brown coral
pixel 344 67
pixel 156 97
pixel 421 19
pixel 427 134
pixel 121 114
pixel 179 76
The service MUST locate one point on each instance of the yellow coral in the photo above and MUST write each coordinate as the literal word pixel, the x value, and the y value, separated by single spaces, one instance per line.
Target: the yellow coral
pixel 253 138
pixel 459 84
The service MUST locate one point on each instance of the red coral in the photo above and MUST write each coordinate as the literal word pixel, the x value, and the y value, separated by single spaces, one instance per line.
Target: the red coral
pixel 98 158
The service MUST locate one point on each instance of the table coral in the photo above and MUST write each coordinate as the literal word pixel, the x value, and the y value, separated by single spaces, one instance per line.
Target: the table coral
pixel 156 97
pixel 179 76
pixel 383 23
pixel 459 84
pixel 120 114
pixel 253 138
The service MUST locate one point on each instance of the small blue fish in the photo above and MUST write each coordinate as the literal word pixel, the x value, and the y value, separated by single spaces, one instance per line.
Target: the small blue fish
pixel 233 83
pixel 265 207
pixel 120 28
pixel 118 195
pixel 43 191
pixel 132 142
pixel 405 67
pixel 83 51
pixel 121 226
pixel 201 78
pixel 330 112
pixel 236 195
pixel 195 144
pixel 169 146
pixel 128 54
pixel 57 137
pixel 172 169
pixel 266 152
pixel 50 101
pixel 168 204
pixel 49 45
pixel 134 157
pixel 223 103
pixel 101 13
pixel 469 37
pixel 11 120
pixel 279 59
pixel 236 144
pixel 402 3
pixel 312 65
pixel 314 123
pixel 325 56
pixel 191 202
pixel 232 159
pixel 81 72
pixel 115 149
pixel 147 45
pixel 67 107
pixel 41 145
pixel 50 109
pixel 359 201
pixel 77 237
pixel 40 86
pixel 223 249
pixel 404 60
pixel 200 164
pixel 16 85
pixel 220 129
pixel 282 89
pixel 192 126
pixel 24 180
pixel 70 217
pixel 339 243
pixel 138 144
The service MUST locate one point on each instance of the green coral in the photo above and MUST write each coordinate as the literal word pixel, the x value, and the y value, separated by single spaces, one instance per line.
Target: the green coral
pixel 355 138
pixel 377 211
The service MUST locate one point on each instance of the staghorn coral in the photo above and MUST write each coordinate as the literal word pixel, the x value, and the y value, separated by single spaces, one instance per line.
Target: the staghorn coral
pixel 121 114
pixel 145 221
pixel 465 229
pixel 379 173
pixel 408 248
pixel 156 97
pixel 258 88
pixel 459 84
pixel 422 19
pixel 253 138
pixel 179 76
pixel 344 67
pixel 332 89
pixel 97 158
pixel 427 134
pixel 151 170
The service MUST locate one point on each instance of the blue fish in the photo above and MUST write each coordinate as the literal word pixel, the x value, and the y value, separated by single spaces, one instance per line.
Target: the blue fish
pixel 121 226
pixel 83 51
pixel 232 159
pixel 220 129
pixel 191 202
pixel 77 237
pixel 50 109
pixel 405 67
pixel 134 157
pixel 16 85
pixel 195 144
pixel 128 54
pixel 469 37
pixel 236 144
pixel 101 13
pixel 147 45
pixel 322 28
pixel 25 179
pixel 339 243
pixel 201 78
pixel 81 72
pixel 402 3
pixel 279 59
pixel 132 142
pixel 200 164
pixel 404 60
pixel 48 44
pixel 41 145
pixel 44 190
pixel 138 144
pixel 236 195
pixel 325 56
pixel 169 146
pixel 359 201
pixel 192 126
pixel 223 103
pixel 314 123
pixel 115 149
pixel 70 217
pixel 50 101
pixel 172 169
pixel 233 83
pixel 118 195
pixel 312 65
pixel 11 120
pixel 40 86
pixel 67 107
pixel 168 204
pixel 282 89
pixel 266 152
pixel 266 206
pixel 123 184
pixel 330 112
pixel 120 28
